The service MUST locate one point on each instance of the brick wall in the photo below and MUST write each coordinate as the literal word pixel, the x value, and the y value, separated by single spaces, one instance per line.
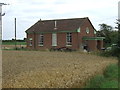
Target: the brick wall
pixel 91 43
pixel 83 29
pixel 30 36
pixel 47 41
pixel 61 39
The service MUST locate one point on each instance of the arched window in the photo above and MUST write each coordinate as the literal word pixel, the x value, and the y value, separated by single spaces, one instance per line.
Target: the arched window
pixel 87 30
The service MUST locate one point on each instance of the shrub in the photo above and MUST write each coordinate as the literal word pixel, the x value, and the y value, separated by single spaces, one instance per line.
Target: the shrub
pixel 106 53
pixel 113 52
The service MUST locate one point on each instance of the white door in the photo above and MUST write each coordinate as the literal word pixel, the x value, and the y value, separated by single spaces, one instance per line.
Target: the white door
pixel 54 39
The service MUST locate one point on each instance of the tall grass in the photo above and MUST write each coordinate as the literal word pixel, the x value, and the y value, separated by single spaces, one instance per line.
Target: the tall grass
pixel 111 72
pixel 96 82
pixel 109 79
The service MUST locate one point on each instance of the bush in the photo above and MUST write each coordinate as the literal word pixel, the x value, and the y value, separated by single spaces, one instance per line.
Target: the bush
pixel 113 52
pixel 105 53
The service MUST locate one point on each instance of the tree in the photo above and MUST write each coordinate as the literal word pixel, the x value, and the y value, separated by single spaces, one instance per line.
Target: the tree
pixel 105 31
pixel 118 27
pixel 111 37
pixel 114 37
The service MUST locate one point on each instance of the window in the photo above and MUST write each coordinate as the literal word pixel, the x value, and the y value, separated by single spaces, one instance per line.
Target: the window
pixel 69 39
pixel 41 39
pixel 87 30
pixel 95 32
pixel 30 41
pixel 78 30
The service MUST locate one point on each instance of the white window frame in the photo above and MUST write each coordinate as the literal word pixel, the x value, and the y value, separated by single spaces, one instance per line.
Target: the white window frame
pixel 95 32
pixel 78 30
pixel 41 40
pixel 68 39
pixel 87 30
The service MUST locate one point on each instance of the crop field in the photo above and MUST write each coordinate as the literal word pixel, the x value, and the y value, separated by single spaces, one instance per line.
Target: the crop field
pixel 44 69
pixel 11 45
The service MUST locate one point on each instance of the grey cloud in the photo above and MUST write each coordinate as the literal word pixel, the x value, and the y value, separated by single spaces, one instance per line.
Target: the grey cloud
pixel 30 11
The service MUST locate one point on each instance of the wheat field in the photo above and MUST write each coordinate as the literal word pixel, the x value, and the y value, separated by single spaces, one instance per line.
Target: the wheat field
pixel 44 69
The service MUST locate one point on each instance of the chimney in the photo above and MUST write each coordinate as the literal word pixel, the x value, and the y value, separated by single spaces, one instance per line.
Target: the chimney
pixel 40 19
pixel 55 25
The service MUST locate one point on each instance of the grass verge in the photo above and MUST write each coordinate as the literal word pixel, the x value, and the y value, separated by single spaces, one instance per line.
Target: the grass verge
pixel 109 79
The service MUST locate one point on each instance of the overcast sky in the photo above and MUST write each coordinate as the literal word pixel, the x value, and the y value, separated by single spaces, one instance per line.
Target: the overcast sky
pixel 29 12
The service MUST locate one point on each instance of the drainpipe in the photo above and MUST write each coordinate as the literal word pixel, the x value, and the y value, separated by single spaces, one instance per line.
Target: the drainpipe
pixel 34 39
pixel 78 40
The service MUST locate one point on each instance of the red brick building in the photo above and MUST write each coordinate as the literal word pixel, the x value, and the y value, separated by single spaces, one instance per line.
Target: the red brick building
pixel 76 34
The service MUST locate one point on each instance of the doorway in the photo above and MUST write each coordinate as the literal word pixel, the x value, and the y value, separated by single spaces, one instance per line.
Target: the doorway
pixel 54 39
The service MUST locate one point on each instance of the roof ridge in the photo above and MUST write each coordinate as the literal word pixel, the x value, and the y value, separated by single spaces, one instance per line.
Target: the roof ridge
pixel 62 24
pixel 63 19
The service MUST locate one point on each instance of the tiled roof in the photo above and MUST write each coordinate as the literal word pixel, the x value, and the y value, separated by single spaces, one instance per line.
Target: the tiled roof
pixel 58 24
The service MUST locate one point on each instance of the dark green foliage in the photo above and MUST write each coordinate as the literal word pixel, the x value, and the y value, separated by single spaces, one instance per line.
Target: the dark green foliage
pixel 118 38
pixel 115 52
pixel 111 36
pixel 118 27
pixel 119 74
pixel 105 53
pixel 105 31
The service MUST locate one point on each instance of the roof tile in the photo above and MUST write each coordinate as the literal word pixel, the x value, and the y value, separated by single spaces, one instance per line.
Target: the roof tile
pixel 61 25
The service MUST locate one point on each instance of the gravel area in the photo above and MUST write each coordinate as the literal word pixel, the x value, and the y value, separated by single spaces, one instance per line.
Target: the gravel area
pixel 36 69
